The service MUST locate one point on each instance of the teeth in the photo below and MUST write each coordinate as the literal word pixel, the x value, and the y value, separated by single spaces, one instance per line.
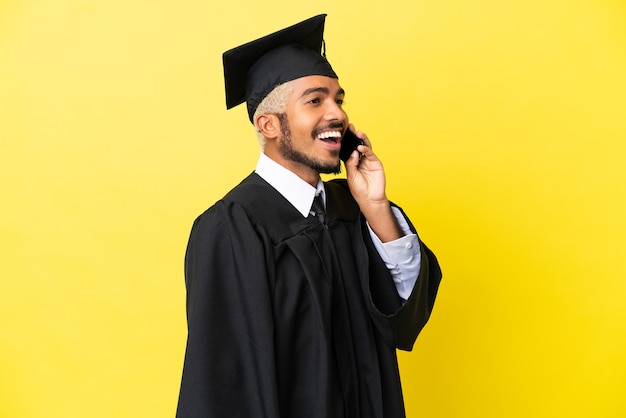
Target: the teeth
pixel 329 134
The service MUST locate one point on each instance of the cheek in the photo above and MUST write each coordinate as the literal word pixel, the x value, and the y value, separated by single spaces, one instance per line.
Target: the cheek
pixel 303 126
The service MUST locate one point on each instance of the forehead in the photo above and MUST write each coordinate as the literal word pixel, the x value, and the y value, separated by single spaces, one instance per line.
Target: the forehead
pixel 316 83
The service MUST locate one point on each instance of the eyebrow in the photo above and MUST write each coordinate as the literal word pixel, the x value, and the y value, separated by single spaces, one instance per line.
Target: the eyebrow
pixel 321 90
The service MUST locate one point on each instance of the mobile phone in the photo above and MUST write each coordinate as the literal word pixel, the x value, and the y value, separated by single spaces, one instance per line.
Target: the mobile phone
pixel 349 142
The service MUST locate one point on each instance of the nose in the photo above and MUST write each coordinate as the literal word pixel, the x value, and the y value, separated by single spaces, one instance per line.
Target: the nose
pixel 334 111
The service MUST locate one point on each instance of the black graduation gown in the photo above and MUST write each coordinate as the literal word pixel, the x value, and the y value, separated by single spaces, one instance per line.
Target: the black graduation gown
pixel 289 318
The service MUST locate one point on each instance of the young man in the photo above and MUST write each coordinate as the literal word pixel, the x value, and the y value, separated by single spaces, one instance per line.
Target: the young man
pixel 299 292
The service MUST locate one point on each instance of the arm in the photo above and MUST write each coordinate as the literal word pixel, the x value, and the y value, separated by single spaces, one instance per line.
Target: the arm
pixel 229 361
pixel 402 257
pixel 366 179
pixel 405 318
pixel 396 244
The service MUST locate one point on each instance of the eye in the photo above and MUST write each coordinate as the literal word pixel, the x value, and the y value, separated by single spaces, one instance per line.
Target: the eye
pixel 340 102
pixel 315 101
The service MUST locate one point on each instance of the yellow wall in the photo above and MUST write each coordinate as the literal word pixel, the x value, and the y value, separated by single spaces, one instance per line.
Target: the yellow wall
pixel 502 125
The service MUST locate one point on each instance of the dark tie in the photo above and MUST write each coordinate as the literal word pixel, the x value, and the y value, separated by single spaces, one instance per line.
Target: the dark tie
pixel 318 208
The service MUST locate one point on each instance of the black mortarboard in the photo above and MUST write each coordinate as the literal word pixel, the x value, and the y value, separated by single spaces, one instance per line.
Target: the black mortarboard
pixel 253 70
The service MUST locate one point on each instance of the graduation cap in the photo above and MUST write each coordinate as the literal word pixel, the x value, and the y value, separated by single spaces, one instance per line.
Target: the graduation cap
pixel 253 70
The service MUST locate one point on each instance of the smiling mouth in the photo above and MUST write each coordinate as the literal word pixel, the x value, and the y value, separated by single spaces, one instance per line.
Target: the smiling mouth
pixel 330 136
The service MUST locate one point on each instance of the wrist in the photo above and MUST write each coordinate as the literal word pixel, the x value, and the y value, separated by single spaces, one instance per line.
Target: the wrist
pixel 380 218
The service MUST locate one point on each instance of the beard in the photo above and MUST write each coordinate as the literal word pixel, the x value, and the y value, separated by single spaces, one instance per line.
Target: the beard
pixel 288 151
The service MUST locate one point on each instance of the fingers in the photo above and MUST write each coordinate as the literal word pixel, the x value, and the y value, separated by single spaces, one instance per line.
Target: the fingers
pixel 354 159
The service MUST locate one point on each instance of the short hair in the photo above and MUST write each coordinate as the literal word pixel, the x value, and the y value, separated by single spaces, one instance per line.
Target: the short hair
pixel 274 103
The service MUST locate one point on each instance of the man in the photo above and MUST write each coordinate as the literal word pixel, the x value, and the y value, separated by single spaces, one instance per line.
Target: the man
pixel 299 291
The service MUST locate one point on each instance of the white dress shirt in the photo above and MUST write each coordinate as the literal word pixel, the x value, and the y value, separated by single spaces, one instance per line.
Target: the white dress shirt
pixel 402 256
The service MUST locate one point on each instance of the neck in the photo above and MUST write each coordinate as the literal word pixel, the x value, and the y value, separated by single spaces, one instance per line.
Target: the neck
pixel 303 171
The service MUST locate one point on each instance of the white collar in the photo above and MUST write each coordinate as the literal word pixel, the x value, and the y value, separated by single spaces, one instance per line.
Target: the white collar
pixel 297 191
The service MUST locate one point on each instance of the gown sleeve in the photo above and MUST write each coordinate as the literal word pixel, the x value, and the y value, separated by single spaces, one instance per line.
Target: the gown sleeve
pixel 405 320
pixel 411 318
pixel 229 360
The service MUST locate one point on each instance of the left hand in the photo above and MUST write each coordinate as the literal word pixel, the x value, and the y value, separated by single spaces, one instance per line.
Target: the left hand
pixel 365 175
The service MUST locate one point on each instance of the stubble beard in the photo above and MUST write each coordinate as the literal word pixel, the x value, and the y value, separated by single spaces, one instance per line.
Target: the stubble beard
pixel 288 151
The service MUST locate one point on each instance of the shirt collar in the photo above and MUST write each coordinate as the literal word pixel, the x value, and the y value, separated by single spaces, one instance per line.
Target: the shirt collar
pixel 297 191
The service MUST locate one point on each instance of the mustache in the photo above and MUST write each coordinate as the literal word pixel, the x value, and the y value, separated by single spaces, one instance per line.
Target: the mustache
pixel 331 125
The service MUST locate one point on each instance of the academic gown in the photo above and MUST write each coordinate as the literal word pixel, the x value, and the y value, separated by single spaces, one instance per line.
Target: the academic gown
pixel 292 318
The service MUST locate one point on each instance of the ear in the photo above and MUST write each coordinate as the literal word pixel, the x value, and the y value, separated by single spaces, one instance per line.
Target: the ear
pixel 268 125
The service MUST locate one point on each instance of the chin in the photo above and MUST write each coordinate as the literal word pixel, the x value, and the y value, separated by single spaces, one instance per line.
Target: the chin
pixel 331 168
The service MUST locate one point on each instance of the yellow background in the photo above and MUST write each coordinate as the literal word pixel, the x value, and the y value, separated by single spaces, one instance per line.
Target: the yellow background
pixel 502 125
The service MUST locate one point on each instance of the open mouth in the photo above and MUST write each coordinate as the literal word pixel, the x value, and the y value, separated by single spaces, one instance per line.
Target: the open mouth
pixel 330 136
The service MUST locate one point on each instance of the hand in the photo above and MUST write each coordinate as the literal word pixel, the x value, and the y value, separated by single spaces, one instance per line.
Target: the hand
pixel 365 174
pixel 366 179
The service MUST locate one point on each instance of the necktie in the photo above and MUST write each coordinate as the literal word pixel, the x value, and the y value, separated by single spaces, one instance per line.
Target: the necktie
pixel 318 208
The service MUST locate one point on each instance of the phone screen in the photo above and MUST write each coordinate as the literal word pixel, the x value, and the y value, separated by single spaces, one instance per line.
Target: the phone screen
pixel 348 144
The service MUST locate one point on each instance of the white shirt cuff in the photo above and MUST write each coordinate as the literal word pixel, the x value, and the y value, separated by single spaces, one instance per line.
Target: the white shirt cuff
pixel 402 257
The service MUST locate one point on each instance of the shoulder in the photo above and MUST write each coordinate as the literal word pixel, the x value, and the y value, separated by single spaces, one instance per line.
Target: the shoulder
pixel 228 211
pixel 239 201
pixel 248 190
pixel 252 205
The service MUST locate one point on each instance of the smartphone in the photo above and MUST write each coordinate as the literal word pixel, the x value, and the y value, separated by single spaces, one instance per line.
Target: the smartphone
pixel 348 144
